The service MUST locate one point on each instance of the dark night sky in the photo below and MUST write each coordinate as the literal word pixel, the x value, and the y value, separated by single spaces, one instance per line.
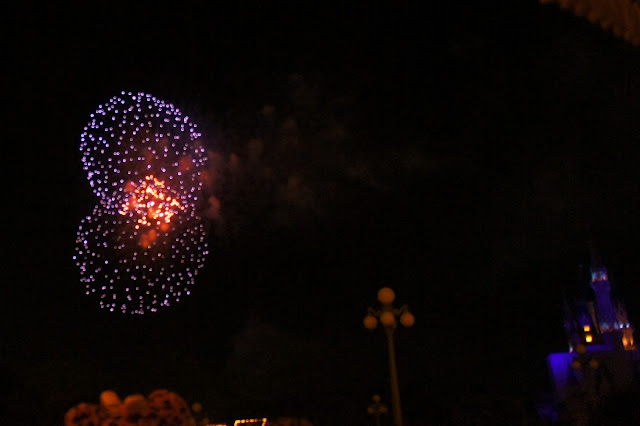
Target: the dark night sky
pixel 478 149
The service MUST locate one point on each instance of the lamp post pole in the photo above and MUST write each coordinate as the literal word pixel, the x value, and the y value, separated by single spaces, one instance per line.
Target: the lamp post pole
pixel 388 315
pixel 393 372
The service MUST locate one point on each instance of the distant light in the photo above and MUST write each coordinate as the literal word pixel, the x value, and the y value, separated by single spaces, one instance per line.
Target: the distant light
pixel 587 328
pixel 598 276
pixel 588 338
pixel 262 421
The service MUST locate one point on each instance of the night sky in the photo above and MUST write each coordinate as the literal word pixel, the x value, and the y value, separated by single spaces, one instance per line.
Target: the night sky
pixel 463 155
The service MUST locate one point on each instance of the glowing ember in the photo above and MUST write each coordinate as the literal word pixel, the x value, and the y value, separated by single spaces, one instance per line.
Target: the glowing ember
pixel 152 202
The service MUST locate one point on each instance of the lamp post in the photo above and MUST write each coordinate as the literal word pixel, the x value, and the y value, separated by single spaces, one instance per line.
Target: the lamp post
pixel 377 408
pixel 388 315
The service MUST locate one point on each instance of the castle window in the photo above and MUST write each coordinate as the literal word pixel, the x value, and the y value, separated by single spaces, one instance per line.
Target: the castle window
pixel 586 328
pixel 588 338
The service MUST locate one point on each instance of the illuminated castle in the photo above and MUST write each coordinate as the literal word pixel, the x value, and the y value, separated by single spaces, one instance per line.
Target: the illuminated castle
pixel 603 321
pixel 602 356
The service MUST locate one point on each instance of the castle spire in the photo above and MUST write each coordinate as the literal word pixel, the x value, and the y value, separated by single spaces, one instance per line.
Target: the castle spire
pixel 602 289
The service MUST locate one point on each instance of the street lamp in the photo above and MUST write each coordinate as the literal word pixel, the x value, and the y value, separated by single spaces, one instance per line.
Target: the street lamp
pixel 377 408
pixel 388 316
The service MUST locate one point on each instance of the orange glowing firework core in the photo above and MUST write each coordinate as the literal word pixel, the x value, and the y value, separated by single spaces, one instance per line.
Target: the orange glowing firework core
pixel 151 202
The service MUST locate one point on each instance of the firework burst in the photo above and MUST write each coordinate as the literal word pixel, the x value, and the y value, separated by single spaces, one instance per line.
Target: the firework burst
pixel 144 242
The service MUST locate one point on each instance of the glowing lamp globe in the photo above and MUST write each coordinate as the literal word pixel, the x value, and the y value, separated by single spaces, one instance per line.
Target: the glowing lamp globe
pixel 576 365
pixel 388 319
pixel 593 364
pixel 370 322
pixel 407 319
pixel 581 349
pixel 386 296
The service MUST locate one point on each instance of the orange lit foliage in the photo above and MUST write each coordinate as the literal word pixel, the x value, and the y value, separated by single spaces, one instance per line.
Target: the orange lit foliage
pixel 161 407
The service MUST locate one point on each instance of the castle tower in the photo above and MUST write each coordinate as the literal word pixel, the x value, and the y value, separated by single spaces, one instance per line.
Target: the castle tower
pixel 607 318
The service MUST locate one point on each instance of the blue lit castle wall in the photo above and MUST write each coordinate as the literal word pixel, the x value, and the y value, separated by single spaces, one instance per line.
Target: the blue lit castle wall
pixel 607 320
